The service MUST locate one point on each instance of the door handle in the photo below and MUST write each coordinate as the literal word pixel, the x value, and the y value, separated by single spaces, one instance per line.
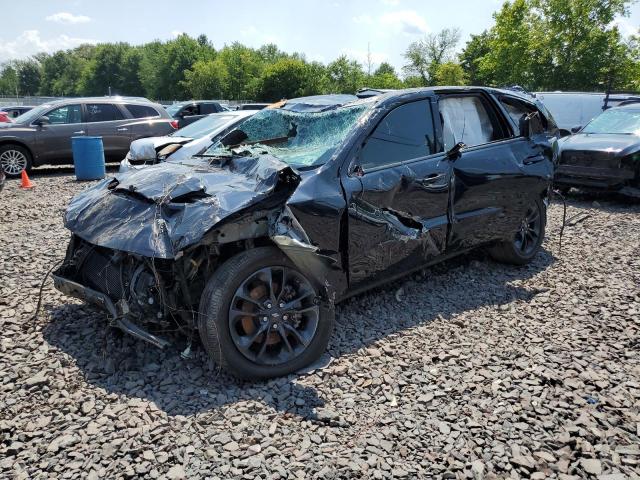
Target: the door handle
pixel 534 159
pixel 122 129
pixel 434 182
pixel 433 178
pixel 81 132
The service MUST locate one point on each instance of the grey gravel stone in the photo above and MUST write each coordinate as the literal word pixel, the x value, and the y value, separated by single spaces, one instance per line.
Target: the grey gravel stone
pixel 476 370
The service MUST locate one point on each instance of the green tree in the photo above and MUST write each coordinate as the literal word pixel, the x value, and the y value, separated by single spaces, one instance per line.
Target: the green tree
pixel 554 44
pixel 425 55
pixel 29 73
pixel 476 48
pixel 345 76
pixel 163 65
pixel 450 73
pixel 207 79
pixel 115 66
pixel 244 67
pixel 8 79
pixel 62 70
pixel 286 78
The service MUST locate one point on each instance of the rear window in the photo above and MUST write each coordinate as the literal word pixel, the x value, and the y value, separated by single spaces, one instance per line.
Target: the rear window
pixel 142 111
pixel 103 112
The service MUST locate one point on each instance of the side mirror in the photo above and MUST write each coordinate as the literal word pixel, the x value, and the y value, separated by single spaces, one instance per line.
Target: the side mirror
pixel 455 151
pixel 576 129
pixel 43 120
pixel 524 125
pixel 530 125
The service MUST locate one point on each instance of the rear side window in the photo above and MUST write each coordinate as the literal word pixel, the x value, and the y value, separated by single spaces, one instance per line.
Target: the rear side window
pixel 207 108
pixel 516 110
pixel 142 111
pixel 103 112
pixel 404 134
pixel 65 115
pixel 465 119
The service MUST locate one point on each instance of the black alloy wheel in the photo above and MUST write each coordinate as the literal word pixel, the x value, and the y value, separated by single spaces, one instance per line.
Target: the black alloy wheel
pixel 527 238
pixel 261 317
pixel 273 315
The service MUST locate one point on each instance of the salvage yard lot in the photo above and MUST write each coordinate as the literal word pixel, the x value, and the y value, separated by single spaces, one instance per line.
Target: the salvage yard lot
pixel 468 369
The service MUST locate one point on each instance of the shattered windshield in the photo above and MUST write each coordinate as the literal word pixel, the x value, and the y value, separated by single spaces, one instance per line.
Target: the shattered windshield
pixel 297 138
pixel 626 121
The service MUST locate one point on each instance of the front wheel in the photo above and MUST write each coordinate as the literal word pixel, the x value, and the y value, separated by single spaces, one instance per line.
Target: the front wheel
pixel 260 317
pixel 527 240
pixel 14 159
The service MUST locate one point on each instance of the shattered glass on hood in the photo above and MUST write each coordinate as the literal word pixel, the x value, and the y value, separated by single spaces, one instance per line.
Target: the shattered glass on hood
pixel 307 138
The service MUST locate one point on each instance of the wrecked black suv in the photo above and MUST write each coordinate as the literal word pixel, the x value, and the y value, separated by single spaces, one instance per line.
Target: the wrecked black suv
pixel 252 243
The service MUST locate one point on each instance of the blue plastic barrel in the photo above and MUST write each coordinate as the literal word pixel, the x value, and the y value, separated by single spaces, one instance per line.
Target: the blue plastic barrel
pixel 88 158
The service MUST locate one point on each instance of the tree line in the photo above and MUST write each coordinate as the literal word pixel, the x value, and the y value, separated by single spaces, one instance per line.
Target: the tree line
pixel 536 44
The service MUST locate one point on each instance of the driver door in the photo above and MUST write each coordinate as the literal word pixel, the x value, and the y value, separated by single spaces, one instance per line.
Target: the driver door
pixel 53 140
pixel 398 197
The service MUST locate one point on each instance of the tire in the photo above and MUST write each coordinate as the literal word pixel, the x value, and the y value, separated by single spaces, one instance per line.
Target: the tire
pixel 15 158
pixel 241 282
pixel 517 252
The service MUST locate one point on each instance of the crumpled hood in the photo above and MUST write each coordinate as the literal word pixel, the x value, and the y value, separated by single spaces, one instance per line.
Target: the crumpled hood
pixel 159 211
pixel 609 143
pixel 146 148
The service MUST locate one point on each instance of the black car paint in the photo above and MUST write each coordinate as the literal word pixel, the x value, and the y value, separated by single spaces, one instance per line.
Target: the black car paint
pixel 347 229
pixel 600 161
pixel 203 108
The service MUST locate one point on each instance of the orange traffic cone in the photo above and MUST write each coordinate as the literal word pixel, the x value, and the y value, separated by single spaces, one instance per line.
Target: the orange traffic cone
pixel 25 182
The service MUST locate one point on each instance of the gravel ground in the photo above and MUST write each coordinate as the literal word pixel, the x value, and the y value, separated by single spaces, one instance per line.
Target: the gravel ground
pixel 468 370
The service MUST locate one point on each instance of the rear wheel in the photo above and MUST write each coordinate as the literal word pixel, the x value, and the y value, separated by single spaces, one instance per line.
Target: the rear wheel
pixel 14 159
pixel 527 240
pixel 260 317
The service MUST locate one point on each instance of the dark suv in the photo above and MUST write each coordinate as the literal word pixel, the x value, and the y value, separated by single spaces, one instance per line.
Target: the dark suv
pixel 43 134
pixel 253 242
pixel 188 112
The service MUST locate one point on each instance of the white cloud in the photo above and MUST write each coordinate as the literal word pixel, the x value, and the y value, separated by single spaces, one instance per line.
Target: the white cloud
pixel 29 43
pixel 363 19
pixel 392 3
pixel 406 21
pixel 66 17
pixel 176 33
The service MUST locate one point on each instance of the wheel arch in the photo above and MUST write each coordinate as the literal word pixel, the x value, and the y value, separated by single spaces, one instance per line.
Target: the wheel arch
pixel 19 143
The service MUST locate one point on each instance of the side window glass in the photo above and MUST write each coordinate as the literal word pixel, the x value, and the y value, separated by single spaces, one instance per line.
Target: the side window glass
pixel 103 112
pixel 516 110
pixel 190 110
pixel 404 134
pixel 207 108
pixel 141 111
pixel 65 115
pixel 466 120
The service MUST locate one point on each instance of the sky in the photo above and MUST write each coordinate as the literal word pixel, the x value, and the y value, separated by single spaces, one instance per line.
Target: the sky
pixel 322 30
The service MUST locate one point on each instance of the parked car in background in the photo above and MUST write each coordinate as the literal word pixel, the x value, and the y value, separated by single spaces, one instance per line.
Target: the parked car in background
pixel 253 106
pixel 188 112
pixel 14 111
pixel 605 154
pixel 183 143
pixel 574 109
pixel 304 204
pixel 4 117
pixel 43 134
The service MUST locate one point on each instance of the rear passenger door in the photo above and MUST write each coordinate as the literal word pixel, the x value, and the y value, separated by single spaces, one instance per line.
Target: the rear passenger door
pixel 146 122
pixel 106 120
pixel 189 114
pixel 490 188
